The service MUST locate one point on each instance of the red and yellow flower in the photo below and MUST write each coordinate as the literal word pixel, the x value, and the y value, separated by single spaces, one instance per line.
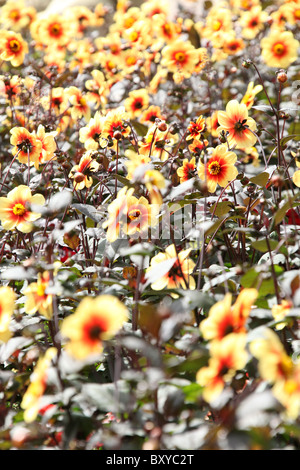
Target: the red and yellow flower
pixel 15 212
pixel 280 311
pixel 95 321
pixel 154 143
pixel 90 134
pixel 218 21
pixel 16 15
pixel 37 299
pixel 136 102
pixel 219 168
pixel 13 48
pixel 7 304
pixel 279 49
pixel 227 356
pixel 49 146
pixel 116 211
pixel 32 399
pixel 10 87
pixel 81 174
pixel 54 30
pixel 151 114
pixel 58 101
pixel 26 146
pixel 239 127
pixel 180 57
pixel 251 92
pixel 196 128
pixel 225 318
pixel 198 145
pixel 212 124
pixel 176 269
pixel 79 104
pixel 187 170
pixel 97 88
pixel 115 120
pixel 274 364
pixel 253 21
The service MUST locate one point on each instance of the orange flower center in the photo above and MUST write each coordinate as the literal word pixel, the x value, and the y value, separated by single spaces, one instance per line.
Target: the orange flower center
pixel 19 209
pixel 167 29
pixel 55 29
pixel 14 45
pixel 110 65
pixel 129 22
pixel 180 57
pixel 14 15
pixel 279 49
pixel 82 102
pixel 214 168
pixel 134 214
pixel 297 14
pixel 133 36
pixel 41 289
pixel 216 25
pixel 131 60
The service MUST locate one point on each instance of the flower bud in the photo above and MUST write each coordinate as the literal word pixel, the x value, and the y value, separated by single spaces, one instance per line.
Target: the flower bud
pixel 282 76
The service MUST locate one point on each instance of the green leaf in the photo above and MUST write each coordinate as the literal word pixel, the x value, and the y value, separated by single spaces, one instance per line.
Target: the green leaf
pixel 261 179
pixel 221 208
pixel 286 139
pixel 262 245
pixel 249 279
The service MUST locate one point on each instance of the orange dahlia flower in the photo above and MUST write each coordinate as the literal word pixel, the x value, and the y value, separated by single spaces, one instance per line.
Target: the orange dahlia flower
pixel 253 21
pixel 139 216
pixel 151 114
pixel 7 303
pixel 274 364
pixel 14 210
pixel 196 128
pixel 37 300
pixel 219 168
pixel 180 56
pixel 187 170
pixel 49 146
pixel 115 214
pixel 81 173
pixel 225 318
pixel 238 126
pixel 54 30
pixel 79 104
pixel 31 402
pixel 90 134
pixel 178 274
pixel 279 49
pixel 13 48
pixel 115 120
pixel 95 320
pixel 251 92
pixel 136 102
pixel 226 357
pixel 26 145
pixel 16 15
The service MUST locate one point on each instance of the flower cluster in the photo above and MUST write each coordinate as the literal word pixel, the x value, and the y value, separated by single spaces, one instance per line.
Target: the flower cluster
pixel 149 225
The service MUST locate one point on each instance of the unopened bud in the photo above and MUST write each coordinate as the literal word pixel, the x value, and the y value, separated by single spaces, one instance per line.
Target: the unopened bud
pixel 282 76
pixel 79 177
pixel 117 135
pixel 162 126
